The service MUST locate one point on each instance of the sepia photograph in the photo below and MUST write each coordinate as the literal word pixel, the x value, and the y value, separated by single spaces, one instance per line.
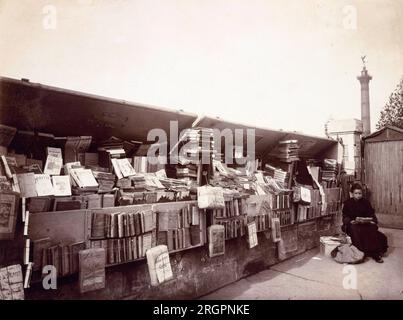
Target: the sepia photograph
pixel 198 156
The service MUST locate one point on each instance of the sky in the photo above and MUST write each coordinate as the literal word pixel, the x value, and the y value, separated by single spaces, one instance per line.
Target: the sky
pixel 289 64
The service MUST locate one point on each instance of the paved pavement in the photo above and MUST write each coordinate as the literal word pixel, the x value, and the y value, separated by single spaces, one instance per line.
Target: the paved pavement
pixel 313 276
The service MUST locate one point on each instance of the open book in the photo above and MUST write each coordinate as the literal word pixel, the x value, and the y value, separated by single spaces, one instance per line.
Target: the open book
pixel 363 220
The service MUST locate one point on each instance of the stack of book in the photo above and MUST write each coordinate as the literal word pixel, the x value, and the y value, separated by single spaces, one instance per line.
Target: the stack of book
pixel 125 235
pixel 181 229
pixel 64 256
pixel 234 206
pixel 195 147
pixel 262 221
pixel 288 151
pixel 277 174
pixel 281 201
pixel 120 250
pixel 232 178
pixel 233 228
pixel 233 216
pixel 187 173
pixel 121 224
pixel 106 180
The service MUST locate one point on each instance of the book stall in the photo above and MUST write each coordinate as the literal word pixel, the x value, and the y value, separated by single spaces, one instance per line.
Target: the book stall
pixel 88 209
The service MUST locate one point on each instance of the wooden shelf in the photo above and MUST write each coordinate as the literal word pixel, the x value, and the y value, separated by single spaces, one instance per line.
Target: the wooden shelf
pixel 144 258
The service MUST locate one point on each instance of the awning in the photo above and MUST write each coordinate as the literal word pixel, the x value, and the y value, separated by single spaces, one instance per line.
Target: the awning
pixel 267 139
pixel 62 112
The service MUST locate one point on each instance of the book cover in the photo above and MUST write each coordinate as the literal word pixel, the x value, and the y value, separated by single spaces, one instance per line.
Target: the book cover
pixel 66 205
pixel 16 282
pixel 53 165
pixel 125 167
pixel 252 234
pixel 195 235
pixel 216 239
pixel 39 204
pixel 149 222
pixel 94 201
pixel 61 186
pixel 43 184
pixel 98 225
pixel 5 285
pixel 92 269
pixel 26 182
pixel 108 200
pixel 146 243
pixel 276 230
pixel 65 259
pixel 55 152
pixel 159 266
pixel 8 214
pixel 84 177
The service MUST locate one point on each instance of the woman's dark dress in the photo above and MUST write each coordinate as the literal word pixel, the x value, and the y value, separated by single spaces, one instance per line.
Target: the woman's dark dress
pixel 365 237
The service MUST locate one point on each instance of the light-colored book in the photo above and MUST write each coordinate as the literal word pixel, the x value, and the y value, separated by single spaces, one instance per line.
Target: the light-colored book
pixel 91 269
pixel 43 184
pixel 53 165
pixel 61 186
pixel 146 243
pixel 116 168
pixel 125 167
pixel 159 265
pixel 55 152
pixel 5 285
pixel 252 234
pixel 16 282
pixel 26 183
pixel 275 229
pixel 84 177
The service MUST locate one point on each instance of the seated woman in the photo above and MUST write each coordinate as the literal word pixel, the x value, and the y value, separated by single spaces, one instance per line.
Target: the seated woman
pixel 365 236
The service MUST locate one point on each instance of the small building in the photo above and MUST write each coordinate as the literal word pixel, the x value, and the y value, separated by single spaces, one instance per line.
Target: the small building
pixel 383 174
pixel 349 131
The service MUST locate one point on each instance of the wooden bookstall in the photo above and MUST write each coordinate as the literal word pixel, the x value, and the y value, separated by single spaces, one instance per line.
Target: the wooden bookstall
pixel 101 119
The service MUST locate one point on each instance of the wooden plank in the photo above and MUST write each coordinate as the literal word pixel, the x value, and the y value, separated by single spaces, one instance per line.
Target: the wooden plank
pixel 60 226
pixel 383 163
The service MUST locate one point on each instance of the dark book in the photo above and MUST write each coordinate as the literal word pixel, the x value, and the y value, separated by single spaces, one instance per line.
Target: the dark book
pixel 162 237
pixel 171 245
pixel 94 201
pixel 66 205
pixel 75 248
pixel 65 257
pixel 39 248
pixel 187 239
pixel 148 218
pixel 98 225
pixel 108 200
pixel 137 223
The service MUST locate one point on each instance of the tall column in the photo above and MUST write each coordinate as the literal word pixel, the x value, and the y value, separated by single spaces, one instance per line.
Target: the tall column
pixel 364 79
